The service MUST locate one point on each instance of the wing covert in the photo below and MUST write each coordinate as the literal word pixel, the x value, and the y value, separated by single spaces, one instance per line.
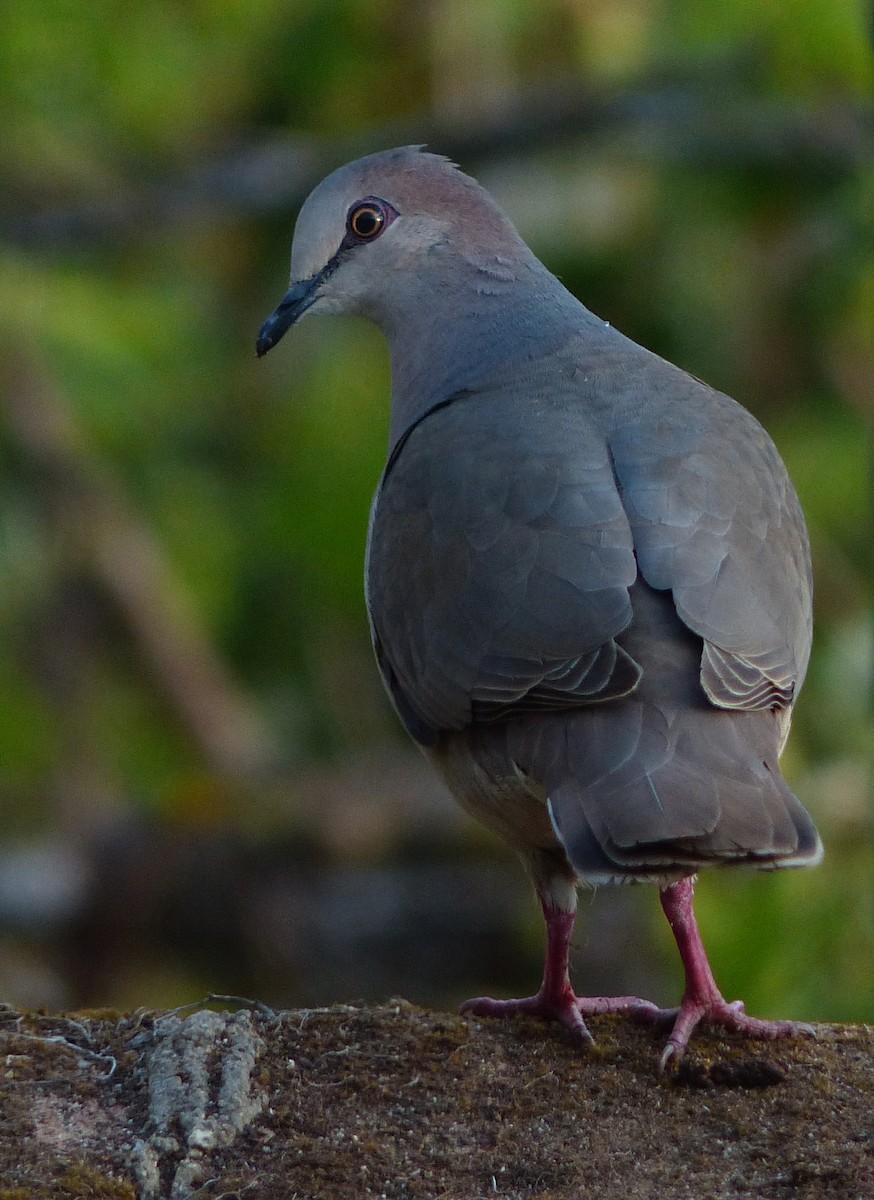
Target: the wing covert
pixel 716 520
pixel 498 574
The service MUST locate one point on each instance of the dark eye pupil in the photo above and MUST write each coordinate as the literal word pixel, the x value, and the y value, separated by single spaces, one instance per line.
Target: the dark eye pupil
pixel 366 222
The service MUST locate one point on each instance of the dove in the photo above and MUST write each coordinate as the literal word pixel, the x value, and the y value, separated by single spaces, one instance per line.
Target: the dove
pixel 587 573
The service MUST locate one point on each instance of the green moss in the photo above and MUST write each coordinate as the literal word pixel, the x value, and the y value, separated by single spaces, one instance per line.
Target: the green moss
pixel 80 1182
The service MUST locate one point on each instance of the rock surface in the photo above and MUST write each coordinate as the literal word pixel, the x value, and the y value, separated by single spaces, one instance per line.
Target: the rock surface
pixel 395 1102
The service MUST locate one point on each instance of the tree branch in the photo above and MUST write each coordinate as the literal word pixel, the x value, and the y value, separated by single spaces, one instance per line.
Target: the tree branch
pixel 721 125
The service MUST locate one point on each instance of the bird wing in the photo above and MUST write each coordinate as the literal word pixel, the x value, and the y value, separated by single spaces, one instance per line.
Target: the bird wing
pixel 499 562
pixel 716 520
pixel 509 527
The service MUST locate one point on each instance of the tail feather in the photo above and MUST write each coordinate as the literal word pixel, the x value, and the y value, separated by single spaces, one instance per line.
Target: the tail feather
pixel 662 782
pixel 614 834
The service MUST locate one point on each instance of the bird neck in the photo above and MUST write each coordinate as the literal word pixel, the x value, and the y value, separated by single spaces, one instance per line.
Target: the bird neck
pixel 505 315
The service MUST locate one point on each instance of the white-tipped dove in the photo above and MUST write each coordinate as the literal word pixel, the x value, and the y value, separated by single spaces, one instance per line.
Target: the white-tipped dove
pixel 588 576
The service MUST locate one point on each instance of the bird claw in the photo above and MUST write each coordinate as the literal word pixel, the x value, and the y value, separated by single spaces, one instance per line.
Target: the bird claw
pixel 569 1010
pixel 671 1053
pixel 565 1009
pixel 732 1016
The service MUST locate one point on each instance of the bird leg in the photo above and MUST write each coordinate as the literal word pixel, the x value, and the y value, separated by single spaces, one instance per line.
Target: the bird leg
pixel 556 1000
pixel 702 999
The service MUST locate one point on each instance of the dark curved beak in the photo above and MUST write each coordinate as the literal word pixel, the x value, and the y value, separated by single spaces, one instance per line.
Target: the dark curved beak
pixel 297 300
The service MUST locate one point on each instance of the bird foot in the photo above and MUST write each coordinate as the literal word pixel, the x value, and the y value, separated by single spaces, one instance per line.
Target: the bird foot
pixel 566 1008
pixel 563 1008
pixel 713 1011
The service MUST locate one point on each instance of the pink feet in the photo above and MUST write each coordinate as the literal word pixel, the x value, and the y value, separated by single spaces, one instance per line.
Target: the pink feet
pixel 556 1000
pixel 714 1011
pixel 564 1007
pixel 702 1000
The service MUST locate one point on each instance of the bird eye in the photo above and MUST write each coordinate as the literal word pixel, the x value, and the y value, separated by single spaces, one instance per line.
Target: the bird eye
pixel 366 220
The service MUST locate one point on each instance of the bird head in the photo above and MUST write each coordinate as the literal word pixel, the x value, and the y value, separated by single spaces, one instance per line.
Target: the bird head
pixel 385 235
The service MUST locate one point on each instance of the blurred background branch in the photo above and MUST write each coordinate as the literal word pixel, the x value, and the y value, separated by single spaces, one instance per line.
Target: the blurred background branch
pixel 88 514
pixel 668 123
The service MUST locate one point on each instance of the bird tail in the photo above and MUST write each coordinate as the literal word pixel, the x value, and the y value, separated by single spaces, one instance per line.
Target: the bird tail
pixel 662 782
pixel 663 820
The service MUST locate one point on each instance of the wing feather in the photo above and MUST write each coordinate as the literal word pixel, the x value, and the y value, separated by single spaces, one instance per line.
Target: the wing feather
pixel 498 573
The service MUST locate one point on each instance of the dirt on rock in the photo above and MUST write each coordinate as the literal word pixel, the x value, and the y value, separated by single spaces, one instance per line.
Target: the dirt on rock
pixel 395 1102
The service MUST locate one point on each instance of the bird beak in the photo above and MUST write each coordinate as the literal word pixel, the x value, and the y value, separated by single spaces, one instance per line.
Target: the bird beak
pixel 296 301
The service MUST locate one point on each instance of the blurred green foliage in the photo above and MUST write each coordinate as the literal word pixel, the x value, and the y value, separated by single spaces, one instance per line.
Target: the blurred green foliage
pixel 131 293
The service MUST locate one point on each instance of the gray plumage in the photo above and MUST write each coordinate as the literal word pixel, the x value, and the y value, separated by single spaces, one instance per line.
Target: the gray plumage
pixel 588 575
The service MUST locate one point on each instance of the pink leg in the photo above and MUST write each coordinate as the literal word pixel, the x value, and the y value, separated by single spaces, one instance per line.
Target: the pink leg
pixel 702 1000
pixel 556 1000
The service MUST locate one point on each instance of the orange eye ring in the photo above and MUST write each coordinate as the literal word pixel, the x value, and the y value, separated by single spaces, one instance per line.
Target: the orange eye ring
pixel 366 221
